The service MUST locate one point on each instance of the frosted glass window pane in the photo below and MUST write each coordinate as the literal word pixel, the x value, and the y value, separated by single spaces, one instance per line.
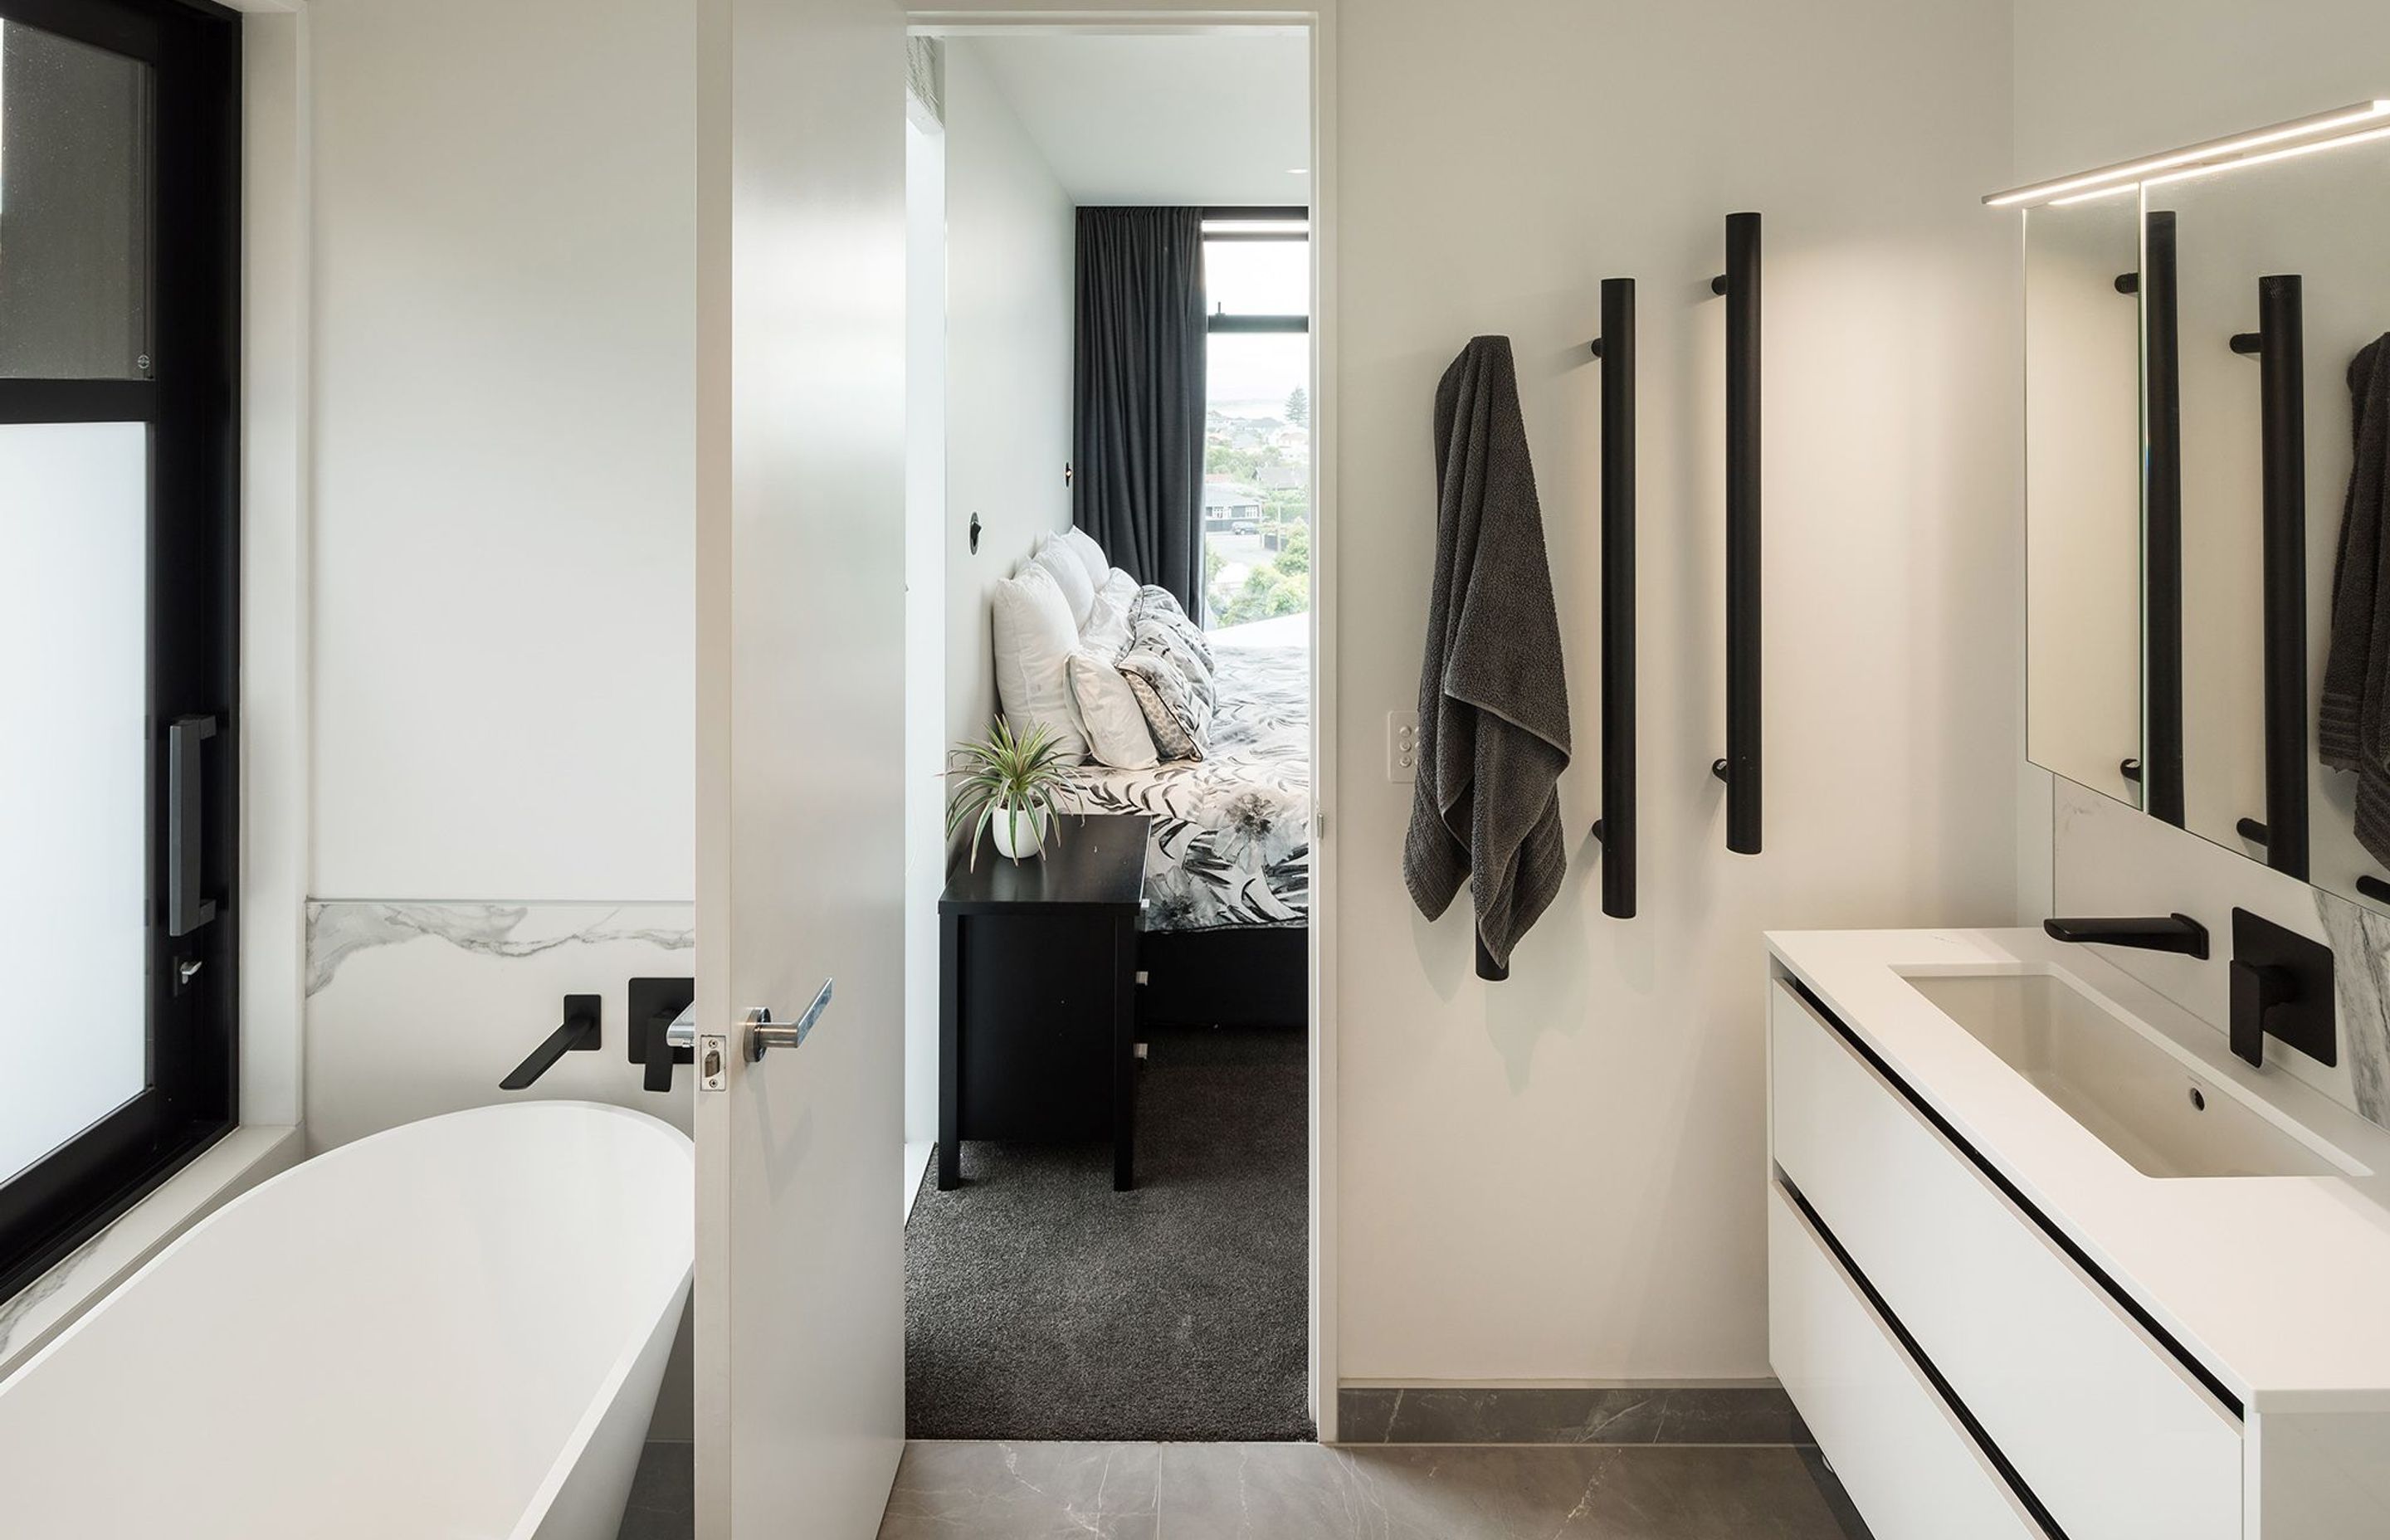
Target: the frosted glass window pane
pixel 73 586
pixel 74 209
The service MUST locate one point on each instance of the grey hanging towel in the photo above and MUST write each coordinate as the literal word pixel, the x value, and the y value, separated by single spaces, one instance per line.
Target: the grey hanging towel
pixel 2353 722
pixel 1493 704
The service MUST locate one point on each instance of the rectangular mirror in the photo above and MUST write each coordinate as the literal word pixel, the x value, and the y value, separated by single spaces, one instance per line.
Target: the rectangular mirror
pixel 2219 653
pixel 2083 498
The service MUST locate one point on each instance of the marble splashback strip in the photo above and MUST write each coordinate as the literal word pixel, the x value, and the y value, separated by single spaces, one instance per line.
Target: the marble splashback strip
pixel 338 931
pixel 2360 953
pixel 1632 1414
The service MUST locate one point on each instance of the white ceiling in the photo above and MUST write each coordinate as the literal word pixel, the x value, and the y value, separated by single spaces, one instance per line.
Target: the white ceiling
pixel 1190 118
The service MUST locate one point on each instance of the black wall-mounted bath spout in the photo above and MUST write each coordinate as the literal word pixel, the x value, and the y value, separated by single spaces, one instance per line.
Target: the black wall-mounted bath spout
pixel 580 1030
pixel 2143 932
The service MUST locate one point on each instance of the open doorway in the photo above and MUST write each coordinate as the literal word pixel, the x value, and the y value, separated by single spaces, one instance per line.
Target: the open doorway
pixel 1111 517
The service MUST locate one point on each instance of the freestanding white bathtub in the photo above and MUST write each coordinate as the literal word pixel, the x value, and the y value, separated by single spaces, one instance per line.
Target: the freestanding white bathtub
pixel 455 1329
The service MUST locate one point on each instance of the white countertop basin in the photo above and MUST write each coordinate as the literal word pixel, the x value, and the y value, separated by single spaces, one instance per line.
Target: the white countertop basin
pixel 2247 1214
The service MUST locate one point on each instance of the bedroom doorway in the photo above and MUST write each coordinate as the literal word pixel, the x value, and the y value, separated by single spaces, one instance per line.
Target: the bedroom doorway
pixel 1112 496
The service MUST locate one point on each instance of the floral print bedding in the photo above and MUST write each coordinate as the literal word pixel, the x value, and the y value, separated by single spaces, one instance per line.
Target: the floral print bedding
pixel 1231 841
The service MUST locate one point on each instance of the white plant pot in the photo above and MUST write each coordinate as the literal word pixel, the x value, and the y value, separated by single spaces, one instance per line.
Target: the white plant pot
pixel 1018 834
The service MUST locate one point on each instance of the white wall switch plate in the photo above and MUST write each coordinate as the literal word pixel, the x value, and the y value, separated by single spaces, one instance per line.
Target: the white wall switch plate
pixel 1402 746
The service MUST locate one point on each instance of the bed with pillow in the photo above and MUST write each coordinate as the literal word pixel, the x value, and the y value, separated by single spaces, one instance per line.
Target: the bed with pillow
pixel 1209 734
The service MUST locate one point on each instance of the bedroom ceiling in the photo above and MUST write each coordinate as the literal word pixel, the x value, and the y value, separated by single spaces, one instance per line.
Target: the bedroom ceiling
pixel 1199 118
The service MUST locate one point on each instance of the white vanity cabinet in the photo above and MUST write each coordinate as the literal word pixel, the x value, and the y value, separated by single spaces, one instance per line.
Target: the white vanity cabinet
pixel 2109 1432
pixel 1975 1364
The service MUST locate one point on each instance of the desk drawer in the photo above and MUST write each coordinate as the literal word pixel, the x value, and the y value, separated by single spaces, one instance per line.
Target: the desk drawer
pixel 2109 1431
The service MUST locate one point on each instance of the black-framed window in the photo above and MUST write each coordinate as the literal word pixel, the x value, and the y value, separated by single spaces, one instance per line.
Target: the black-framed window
pixel 118 606
pixel 1257 415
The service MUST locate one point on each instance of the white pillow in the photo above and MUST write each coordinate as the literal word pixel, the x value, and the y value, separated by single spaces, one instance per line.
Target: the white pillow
pixel 1064 566
pixel 1122 588
pixel 1117 731
pixel 1034 638
pixel 1106 628
pixel 1091 555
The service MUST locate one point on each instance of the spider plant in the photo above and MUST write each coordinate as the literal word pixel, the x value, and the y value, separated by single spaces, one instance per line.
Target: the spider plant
pixel 1008 776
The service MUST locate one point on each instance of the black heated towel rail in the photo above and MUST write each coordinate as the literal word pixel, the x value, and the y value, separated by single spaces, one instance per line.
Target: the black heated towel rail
pixel 2280 345
pixel 1740 768
pixel 2161 774
pixel 1616 348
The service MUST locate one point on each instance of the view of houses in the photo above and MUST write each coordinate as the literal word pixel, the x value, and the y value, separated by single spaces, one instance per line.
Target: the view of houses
pixel 1257 510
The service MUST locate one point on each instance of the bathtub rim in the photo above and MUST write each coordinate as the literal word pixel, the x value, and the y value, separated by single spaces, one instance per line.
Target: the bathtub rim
pixel 626 1360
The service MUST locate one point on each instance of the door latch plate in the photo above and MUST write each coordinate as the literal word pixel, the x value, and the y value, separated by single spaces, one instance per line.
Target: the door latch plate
pixel 713 1061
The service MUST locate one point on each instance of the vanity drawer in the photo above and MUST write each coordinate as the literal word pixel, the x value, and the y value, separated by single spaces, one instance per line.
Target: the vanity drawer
pixel 2111 1432
pixel 1905 1459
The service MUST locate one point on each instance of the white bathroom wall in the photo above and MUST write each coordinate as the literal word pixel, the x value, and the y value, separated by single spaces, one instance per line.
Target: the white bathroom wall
pixel 503 623
pixel 2098 81
pixel 503 378
pixel 1558 1178
pixel 504 385
pixel 1010 241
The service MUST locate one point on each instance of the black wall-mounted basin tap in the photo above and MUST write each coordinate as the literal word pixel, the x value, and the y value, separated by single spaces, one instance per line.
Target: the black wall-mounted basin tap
pixel 2281 987
pixel 2144 932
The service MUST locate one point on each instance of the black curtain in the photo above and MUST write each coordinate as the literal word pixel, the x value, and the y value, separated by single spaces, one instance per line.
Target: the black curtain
pixel 1138 407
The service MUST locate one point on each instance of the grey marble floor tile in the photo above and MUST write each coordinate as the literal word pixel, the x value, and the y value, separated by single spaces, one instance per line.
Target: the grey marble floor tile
pixel 1024 1492
pixel 1262 1491
pixel 1838 1501
pixel 1655 1414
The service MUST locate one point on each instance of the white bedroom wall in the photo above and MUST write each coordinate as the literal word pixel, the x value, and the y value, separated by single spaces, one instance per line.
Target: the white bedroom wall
pixel 1560 1178
pixel 925 617
pixel 1010 241
pixel 2098 81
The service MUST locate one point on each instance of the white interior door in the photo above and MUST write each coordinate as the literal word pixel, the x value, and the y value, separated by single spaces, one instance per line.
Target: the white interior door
pixel 801 737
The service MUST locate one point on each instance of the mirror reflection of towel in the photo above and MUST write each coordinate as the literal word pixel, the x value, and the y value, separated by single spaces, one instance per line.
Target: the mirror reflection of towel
pixel 2353 720
pixel 1494 721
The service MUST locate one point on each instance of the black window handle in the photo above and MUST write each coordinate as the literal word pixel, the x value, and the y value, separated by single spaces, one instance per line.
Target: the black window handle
pixel 186 818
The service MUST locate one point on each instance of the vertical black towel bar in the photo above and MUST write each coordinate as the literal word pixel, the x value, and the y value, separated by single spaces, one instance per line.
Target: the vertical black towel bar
pixel 2162 783
pixel 2282 348
pixel 1616 348
pixel 1740 768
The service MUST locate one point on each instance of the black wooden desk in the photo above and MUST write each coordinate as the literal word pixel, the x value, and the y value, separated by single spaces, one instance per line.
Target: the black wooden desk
pixel 1037 994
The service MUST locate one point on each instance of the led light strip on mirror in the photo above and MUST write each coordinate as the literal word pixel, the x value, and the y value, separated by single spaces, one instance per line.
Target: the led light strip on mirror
pixel 2346 125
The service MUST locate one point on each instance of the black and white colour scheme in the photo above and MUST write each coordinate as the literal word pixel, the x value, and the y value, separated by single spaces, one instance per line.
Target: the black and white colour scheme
pixel 1231 842
pixel 2109 859
pixel 415 1008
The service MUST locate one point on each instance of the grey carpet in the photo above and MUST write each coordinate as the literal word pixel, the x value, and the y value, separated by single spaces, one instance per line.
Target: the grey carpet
pixel 1039 1304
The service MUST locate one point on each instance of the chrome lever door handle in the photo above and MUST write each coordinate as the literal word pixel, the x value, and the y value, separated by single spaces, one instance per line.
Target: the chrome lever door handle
pixel 763 1034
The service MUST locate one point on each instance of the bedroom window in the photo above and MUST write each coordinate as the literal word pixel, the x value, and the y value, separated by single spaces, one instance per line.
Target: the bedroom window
pixel 1257 420
pixel 119 268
